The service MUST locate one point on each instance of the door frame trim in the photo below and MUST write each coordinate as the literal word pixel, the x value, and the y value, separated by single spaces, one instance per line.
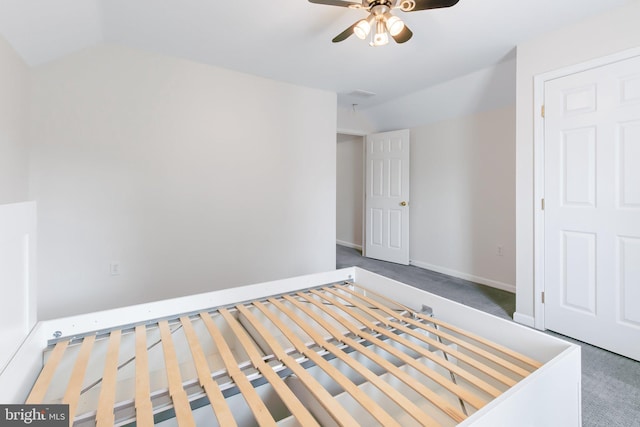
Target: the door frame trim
pixel 539 167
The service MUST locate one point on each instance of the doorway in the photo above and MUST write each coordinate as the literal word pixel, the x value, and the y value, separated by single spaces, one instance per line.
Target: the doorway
pixel 350 190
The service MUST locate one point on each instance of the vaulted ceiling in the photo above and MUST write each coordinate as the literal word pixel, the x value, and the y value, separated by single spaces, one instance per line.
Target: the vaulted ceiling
pixel 290 40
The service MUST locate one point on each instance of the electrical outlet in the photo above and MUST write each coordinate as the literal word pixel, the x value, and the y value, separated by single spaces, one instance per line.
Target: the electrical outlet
pixel 114 268
pixel 500 251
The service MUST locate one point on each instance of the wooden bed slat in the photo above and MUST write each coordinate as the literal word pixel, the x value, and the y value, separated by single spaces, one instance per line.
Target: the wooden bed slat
pixel 39 390
pixel 514 354
pixel 452 367
pixel 418 386
pixel 105 416
pixel 72 395
pixel 296 407
pixel 176 391
pixel 218 403
pixel 143 405
pixel 477 364
pixel 328 402
pixel 257 406
pixel 460 342
pixel 427 340
pixel 409 407
pixel 362 398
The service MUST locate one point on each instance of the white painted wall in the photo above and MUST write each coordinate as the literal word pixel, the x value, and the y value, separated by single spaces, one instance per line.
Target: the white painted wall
pixel 463 197
pixel 484 90
pixel 191 177
pixel 14 150
pixel 18 304
pixel 602 35
pixel 350 190
pixel 353 121
pixel 42 31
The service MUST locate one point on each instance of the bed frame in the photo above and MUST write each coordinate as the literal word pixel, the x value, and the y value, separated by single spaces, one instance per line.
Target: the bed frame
pixel 347 347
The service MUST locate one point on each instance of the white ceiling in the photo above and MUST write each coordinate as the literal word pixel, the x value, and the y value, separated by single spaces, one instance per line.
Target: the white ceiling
pixel 290 40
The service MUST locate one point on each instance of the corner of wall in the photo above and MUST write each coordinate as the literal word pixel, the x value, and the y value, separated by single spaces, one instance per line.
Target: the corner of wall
pixel 353 122
pixel 14 148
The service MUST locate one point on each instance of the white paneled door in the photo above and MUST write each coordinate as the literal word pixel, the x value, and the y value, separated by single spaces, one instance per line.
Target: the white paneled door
pixel 592 206
pixel 387 196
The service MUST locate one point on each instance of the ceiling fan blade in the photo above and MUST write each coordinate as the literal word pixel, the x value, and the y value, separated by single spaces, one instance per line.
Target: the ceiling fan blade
pixel 337 3
pixel 345 34
pixel 415 5
pixel 404 35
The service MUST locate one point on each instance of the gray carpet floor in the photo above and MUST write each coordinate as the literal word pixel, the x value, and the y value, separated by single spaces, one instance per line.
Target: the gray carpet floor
pixel 610 383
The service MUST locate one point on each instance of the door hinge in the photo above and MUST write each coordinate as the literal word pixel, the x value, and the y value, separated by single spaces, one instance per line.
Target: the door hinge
pixel 542 111
pixel 542 203
pixel 542 296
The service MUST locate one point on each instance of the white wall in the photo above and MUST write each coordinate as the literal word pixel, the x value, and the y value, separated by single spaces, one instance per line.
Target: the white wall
pixel 350 190
pixel 353 121
pixel 602 35
pixel 14 151
pixel 192 178
pixel 463 197
pixel 483 90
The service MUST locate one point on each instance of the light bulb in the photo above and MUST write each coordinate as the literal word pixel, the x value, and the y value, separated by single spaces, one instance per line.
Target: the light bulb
pixel 395 25
pixel 362 28
pixel 380 39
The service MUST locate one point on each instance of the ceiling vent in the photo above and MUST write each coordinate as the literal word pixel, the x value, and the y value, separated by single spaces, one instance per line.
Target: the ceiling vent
pixel 361 94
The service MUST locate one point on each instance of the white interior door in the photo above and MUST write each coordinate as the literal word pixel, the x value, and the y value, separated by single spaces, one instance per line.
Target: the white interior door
pixel 387 196
pixel 592 212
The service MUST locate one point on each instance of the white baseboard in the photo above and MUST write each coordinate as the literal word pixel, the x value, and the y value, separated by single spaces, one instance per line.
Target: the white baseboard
pixel 472 278
pixel 524 319
pixel 349 245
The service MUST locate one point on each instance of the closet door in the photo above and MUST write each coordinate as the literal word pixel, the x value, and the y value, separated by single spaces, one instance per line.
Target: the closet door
pixel 592 206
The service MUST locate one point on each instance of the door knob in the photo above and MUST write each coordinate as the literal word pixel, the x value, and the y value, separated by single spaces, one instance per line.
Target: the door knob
pixel 403 203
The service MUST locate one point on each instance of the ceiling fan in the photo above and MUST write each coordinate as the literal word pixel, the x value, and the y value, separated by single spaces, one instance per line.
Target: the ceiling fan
pixel 381 20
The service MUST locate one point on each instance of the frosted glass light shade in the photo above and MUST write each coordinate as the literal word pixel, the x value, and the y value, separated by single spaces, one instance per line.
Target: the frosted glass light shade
pixel 395 25
pixel 380 39
pixel 362 28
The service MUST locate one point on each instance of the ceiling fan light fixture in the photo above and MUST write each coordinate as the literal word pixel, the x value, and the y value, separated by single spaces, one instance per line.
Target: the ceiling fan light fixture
pixel 381 37
pixel 362 29
pixel 394 24
pixel 380 15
